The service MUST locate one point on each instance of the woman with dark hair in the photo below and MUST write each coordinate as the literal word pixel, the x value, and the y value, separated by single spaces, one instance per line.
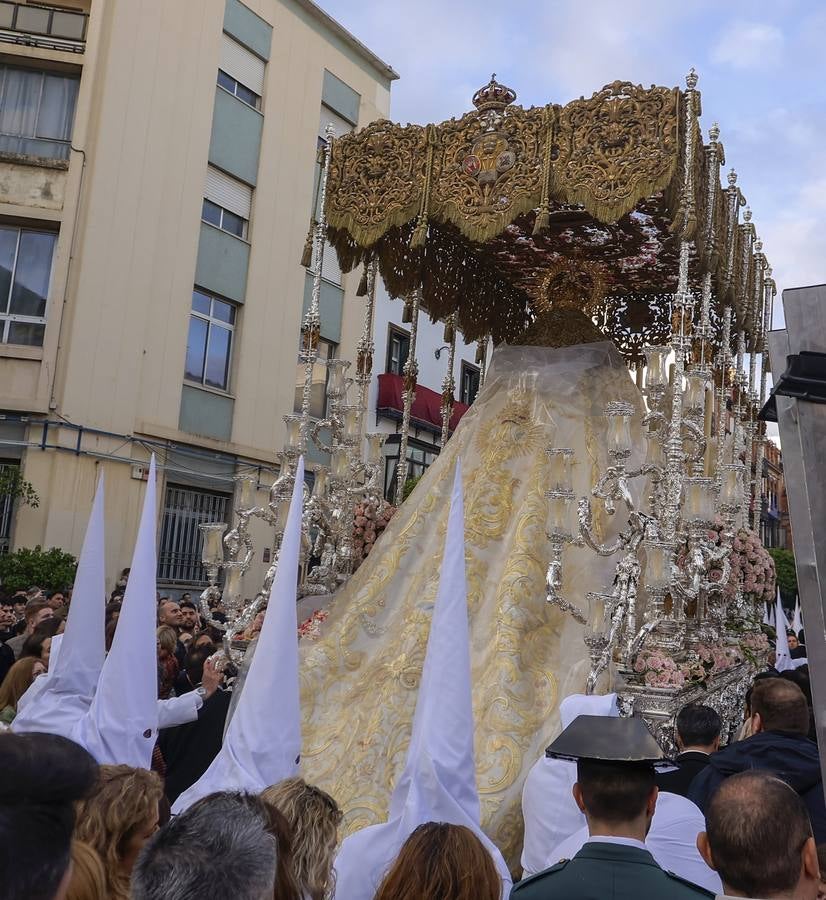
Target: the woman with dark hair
pixel 39 643
pixel 441 862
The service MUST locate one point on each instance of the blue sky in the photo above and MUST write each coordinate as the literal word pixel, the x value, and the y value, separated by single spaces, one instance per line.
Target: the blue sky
pixel 762 68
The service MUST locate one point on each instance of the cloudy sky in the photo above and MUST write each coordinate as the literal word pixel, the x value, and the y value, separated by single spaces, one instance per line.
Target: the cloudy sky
pixel 762 68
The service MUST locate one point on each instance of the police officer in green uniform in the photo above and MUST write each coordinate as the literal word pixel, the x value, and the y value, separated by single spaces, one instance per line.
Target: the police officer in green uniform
pixel 615 789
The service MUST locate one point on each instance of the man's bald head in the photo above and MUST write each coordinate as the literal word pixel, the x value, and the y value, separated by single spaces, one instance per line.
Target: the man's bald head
pixel 758 835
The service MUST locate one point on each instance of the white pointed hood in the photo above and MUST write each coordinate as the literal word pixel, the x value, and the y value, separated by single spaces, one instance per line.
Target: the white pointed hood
pixel 76 658
pixel 783 659
pixel 438 783
pixel 263 741
pixel 122 723
pixel 767 616
pixel 780 618
pixel 797 621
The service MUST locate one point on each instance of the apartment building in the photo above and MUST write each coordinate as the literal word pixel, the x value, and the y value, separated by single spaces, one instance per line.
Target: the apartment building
pixel 775 527
pixel 385 404
pixel 157 170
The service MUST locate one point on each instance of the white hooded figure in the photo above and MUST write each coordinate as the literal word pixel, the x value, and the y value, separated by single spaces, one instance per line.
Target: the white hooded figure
pixel 438 783
pixel 262 743
pixel 548 806
pixel 56 700
pixel 783 658
pixel 121 725
pixel 672 841
pixel 797 620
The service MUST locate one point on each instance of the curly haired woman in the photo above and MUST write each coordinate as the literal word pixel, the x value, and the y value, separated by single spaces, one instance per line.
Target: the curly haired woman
pixel 118 819
pixel 313 817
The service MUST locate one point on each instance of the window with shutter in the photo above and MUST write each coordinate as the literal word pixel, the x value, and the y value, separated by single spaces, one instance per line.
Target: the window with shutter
pixel 244 67
pixel 227 203
pixel 228 193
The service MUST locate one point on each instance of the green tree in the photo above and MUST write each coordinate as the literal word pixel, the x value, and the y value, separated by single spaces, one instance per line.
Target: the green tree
pixel 786 573
pixel 409 485
pixel 12 484
pixel 52 570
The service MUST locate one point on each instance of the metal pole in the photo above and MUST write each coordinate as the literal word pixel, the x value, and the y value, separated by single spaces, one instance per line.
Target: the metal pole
pixel 449 382
pixel 311 327
pixel 803 435
pixel 411 373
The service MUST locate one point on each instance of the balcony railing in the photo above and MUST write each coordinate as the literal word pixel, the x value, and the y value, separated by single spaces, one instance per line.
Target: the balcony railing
pixel 43 26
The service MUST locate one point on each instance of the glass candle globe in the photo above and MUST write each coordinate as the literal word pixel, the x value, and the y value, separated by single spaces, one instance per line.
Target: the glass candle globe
pixel 655 374
pixel 559 469
pixel 657 564
pixel 559 513
pixel 213 549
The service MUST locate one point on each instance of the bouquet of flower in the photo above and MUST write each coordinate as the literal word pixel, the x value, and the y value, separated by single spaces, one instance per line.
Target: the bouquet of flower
pixel 658 670
pixel 311 628
pixel 655 669
pixel 755 648
pixel 369 522
pixel 749 560
pixel 752 562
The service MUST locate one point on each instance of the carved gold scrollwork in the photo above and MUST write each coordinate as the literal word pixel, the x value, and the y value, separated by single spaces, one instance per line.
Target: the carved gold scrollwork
pixel 616 148
pixel 489 170
pixel 376 179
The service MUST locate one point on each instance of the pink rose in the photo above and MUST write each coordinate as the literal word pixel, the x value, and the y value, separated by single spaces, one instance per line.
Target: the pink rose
pixel 639 665
pixel 651 678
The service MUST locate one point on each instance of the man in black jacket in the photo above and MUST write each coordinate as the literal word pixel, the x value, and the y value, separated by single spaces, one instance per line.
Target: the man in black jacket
pixel 188 750
pixel 698 736
pixel 779 744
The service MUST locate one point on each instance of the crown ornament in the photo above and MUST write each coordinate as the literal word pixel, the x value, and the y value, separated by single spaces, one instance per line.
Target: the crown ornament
pixel 493 95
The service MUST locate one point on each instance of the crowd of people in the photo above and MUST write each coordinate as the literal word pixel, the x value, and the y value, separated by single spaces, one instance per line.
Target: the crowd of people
pixel 606 814
pixel 70 828
pixel 744 820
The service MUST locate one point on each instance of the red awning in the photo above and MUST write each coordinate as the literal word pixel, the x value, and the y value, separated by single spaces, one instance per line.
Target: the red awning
pixel 426 411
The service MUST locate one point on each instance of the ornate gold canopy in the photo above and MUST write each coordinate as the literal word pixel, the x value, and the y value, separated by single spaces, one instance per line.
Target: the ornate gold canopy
pixel 498 214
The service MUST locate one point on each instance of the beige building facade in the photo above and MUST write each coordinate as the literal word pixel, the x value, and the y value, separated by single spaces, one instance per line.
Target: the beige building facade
pixel 157 167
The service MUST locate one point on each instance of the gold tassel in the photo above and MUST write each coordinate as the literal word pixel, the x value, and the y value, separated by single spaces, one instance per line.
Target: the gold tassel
pixel 361 291
pixel 450 331
pixel 407 313
pixel 543 220
pixel 307 252
pixel 419 233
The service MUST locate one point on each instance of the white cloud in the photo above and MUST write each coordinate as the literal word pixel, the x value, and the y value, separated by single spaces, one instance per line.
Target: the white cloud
pixel 748 45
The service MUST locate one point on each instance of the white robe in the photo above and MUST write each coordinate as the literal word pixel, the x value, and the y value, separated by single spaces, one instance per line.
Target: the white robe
pixel 548 806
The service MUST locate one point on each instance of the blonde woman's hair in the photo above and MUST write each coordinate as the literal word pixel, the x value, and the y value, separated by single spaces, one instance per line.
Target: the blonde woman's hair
pixel 88 875
pixel 167 638
pixel 314 818
pixel 124 800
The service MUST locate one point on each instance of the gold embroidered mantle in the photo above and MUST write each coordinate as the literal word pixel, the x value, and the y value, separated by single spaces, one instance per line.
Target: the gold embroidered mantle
pixel 359 682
